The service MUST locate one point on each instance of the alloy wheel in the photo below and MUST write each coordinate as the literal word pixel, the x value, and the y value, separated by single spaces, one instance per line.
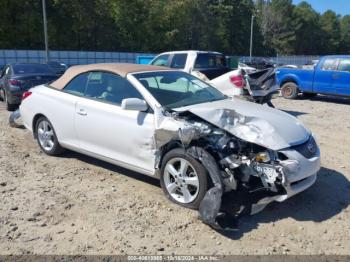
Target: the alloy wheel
pixel 181 180
pixel 46 135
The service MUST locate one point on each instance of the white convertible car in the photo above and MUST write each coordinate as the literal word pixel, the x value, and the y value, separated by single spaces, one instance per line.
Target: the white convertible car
pixel 169 124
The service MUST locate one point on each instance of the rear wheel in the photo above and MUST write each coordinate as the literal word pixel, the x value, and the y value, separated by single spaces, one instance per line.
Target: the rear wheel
pixel 2 94
pixel 9 106
pixel 47 138
pixel 289 90
pixel 183 179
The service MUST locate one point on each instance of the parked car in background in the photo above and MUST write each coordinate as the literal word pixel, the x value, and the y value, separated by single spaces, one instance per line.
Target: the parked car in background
pixel 246 68
pixel 208 66
pixel 57 67
pixel 258 62
pixel 211 64
pixel 17 78
pixel 330 76
pixel 310 64
pixel 171 125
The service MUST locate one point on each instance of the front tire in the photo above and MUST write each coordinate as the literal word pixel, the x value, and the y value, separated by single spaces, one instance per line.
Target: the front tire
pixel 47 138
pixel 289 90
pixel 183 179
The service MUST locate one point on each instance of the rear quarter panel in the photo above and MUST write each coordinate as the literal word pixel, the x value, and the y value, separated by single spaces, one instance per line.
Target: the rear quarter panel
pixel 224 85
pixel 57 106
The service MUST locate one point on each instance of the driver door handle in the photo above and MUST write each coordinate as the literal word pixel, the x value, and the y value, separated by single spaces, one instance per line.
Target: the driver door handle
pixel 82 112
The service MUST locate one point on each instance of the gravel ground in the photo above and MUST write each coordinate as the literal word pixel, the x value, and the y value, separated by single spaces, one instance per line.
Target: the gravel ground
pixel 74 204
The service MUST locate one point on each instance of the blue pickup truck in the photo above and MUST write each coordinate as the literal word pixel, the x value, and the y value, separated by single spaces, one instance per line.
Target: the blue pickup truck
pixel 331 75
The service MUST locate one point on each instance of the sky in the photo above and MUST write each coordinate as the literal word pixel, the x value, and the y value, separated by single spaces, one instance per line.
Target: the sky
pixel 341 7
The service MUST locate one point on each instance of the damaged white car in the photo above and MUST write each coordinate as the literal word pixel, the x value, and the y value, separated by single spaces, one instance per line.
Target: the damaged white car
pixel 171 125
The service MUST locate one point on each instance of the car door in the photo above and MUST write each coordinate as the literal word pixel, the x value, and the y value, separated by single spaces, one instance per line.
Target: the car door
pixel 341 78
pixel 324 75
pixel 61 109
pixel 105 129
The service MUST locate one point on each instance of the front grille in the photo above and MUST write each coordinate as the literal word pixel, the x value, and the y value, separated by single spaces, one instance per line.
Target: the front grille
pixel 307 149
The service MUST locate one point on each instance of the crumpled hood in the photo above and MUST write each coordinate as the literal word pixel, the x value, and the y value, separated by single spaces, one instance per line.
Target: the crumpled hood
pixel 262 125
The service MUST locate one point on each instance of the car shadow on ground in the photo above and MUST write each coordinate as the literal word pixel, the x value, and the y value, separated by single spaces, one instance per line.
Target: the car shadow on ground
pixel 113 168
pixel 326 198
pixel 328 99
pixel 294 113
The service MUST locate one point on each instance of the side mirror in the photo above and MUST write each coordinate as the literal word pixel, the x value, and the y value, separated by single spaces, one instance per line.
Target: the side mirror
pixel 134 104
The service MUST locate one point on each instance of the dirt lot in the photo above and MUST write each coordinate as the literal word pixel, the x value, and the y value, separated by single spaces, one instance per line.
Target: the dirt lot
pixel 77 205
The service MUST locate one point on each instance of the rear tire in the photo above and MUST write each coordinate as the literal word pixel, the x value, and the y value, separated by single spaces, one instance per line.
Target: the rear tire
pixel 183 179
pixel 290 90
pixel 9 107
pixel 46 137
pixel 2 94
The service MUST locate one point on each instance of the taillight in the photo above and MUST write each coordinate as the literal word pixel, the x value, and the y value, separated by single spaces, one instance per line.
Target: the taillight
pixel 26 94
pixel 16 82
pixel 238 81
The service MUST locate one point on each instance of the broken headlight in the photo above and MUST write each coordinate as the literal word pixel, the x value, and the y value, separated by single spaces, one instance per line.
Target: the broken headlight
pixel 263 157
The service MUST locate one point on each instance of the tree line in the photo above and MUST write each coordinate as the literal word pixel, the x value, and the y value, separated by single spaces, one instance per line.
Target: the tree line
pixel 280 27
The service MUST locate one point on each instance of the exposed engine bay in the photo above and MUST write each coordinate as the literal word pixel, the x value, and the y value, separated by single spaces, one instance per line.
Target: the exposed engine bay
pixel 232 163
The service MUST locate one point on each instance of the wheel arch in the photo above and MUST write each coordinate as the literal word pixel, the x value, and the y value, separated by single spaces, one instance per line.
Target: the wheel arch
pixel 165 149
pixel 177 144
pixel 35 120
pixel 289 80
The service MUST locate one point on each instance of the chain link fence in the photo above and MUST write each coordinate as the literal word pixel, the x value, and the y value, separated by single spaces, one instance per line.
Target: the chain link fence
pixel 286 60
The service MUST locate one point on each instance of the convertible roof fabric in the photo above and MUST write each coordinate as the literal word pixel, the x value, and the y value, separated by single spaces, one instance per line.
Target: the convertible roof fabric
pixel 117 68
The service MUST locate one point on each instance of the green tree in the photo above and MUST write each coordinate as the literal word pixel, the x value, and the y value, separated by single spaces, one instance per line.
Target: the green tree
pixel 276 25
pixel 330 26
pixel 21 24
pixel 158 25
pixel 345 35
pixel 307 30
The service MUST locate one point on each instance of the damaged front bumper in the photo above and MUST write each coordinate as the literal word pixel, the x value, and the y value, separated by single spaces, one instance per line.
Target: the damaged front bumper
pixel 298 179
pixel 268 158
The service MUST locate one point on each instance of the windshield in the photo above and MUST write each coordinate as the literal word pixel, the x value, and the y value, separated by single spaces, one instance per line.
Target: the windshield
pixel 177 89
pixel 32 69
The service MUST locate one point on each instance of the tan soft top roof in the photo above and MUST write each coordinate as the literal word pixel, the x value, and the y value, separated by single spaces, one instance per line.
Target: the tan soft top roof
pixel 117 68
